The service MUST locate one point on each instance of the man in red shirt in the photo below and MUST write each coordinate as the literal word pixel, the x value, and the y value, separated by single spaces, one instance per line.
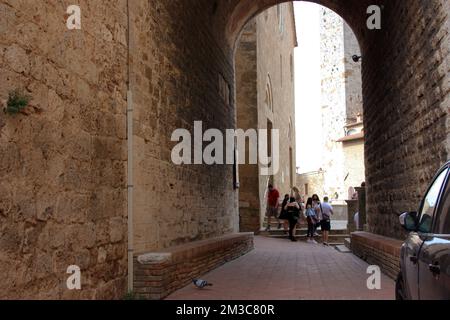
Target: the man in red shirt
pixel 273 198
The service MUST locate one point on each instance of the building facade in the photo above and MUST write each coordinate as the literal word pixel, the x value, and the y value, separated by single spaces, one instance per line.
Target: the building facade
pixel 342 165
pixel 266 100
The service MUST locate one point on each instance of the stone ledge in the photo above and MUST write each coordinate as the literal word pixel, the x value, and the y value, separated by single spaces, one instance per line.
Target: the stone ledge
pixel 378 250
pixel 157 274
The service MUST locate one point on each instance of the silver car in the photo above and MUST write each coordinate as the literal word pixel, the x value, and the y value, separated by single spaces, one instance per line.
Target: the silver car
pixel 425 255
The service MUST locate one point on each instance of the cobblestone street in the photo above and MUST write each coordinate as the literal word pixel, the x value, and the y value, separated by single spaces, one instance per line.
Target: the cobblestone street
pixel 280 269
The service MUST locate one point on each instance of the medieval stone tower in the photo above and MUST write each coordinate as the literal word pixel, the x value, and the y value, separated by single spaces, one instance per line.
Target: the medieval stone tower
pixel 342 164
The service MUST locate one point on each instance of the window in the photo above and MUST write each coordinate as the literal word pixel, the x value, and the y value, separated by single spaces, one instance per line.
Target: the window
pixel 429 203
pixel 269 138
pixel 443 220
pixel 269 147
pixel 280 18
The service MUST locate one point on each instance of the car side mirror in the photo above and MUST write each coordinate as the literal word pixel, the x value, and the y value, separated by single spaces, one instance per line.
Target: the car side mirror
pixel 409 221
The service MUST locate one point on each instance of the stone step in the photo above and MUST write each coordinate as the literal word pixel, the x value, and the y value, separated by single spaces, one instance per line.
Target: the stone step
pixel 343 249
pixel 335 225
pixel 347 243
pixel 304 231
pixel 337 237
pixel 333 243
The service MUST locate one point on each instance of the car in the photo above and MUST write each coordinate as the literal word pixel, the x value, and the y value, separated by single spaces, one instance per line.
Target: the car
pixel 425 255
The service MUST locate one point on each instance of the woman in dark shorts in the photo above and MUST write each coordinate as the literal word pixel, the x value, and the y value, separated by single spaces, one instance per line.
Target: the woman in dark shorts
pixel 293 210
pixel 284 215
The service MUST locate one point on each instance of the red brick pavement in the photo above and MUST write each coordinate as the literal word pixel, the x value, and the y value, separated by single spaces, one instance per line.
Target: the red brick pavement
pixel 282 270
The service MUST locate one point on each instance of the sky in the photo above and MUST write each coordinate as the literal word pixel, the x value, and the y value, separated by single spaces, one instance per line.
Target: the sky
pixel 308 87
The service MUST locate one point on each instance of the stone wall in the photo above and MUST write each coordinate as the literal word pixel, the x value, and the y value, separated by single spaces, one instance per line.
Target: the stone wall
pixel 276 29
pixel 333 102
pixel 265 92
pixel 354 164
pixel 247 118
pixel 378 250
pixel 406 89
pixel 315 182
pixel 353 81
pixel 63 161
pixel 176 72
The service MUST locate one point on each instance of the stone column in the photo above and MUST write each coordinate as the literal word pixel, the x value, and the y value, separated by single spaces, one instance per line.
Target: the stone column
pixel 352 208
pixel 362 207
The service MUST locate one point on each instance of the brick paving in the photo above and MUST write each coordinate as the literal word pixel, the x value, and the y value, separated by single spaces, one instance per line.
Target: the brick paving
pixel 282 270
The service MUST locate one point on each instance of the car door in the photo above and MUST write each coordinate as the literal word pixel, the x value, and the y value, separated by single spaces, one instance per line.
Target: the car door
pixel 415 240
pixel 411 249
pixel 434 256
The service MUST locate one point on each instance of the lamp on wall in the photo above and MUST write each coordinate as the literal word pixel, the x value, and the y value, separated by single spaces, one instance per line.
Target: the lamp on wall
pixel 356 58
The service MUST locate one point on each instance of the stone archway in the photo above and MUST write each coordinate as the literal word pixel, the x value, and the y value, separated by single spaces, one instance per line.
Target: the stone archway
pixel 405 93
pixel 66 174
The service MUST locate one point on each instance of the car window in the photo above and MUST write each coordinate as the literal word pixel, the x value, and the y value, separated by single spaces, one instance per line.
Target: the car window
pixel 443 220
pixel 430 202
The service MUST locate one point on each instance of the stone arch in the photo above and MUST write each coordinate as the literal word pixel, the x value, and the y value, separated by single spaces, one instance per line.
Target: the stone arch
pixel 353 12
pixel 413 40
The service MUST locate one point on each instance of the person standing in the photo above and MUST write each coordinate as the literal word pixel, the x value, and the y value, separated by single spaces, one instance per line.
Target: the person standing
pixel 318 212
pixel 273 197
pixel 284 215
pixel 293 211
pixel 325 223
pixel 310 219
pixel 298 198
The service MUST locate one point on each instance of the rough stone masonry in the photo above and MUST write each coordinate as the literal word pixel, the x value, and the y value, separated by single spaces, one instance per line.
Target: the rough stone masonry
pixel 63 162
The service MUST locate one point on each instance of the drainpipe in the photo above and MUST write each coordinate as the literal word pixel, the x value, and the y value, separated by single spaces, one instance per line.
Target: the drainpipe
pixel 130 188
pixel 129 164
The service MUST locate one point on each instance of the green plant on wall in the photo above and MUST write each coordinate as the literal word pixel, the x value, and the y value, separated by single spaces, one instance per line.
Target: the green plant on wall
pixel 17 101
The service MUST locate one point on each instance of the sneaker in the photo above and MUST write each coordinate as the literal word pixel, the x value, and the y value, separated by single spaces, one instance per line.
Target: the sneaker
pixel 316 234
pixel 325 244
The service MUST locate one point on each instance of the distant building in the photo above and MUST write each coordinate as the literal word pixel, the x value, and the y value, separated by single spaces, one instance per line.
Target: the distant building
pixel 342 166
pixel 265 99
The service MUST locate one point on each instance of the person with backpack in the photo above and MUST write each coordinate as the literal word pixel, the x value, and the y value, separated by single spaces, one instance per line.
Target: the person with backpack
pixel 293 212
pixel 284 215
pixel 311 219
pixel 318 213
